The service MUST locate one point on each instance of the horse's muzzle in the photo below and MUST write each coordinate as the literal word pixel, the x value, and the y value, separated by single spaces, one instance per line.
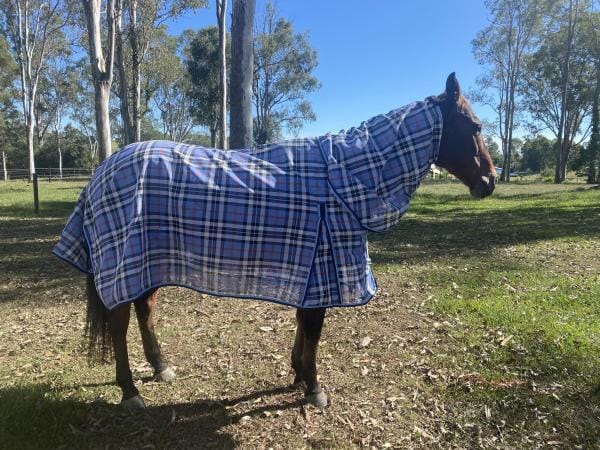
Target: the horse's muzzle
pixel 485 187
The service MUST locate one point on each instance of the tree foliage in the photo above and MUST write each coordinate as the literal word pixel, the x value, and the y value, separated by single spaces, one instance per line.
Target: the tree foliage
pixel 283 66
pixel 202 62
pixel 501 48
pixel 537 154
pixel 559 95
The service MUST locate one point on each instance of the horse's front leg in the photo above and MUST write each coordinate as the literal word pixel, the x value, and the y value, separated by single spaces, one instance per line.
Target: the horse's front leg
pixel 311 321
pixel 118 322
pixel 144 309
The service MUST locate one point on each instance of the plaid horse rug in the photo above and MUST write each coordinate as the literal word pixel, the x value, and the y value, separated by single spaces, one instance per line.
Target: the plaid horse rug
pixel 285 222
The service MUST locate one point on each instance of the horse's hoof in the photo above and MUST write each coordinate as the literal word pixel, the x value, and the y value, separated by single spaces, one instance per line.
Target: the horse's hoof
pixel 133 403
pixel 319 399
pixel 165 376
pixel 298 383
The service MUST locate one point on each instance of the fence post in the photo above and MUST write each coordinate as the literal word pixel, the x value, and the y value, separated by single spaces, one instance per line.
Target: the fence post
pixel 36 199
pixel 4 166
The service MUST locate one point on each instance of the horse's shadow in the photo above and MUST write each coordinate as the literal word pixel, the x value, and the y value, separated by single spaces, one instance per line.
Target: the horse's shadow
pixel 35 416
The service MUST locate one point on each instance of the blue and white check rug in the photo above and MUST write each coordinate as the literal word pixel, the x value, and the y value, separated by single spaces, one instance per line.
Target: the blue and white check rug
pixel 285 222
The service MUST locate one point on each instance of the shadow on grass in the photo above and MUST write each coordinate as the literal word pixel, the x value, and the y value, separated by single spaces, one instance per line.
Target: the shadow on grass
pixel 35 416
pixel 48 209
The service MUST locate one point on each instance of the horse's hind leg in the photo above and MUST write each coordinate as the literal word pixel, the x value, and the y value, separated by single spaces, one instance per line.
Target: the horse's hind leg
pixel 297 351
pixel 144 309
pixel 311 321
pixel 118 322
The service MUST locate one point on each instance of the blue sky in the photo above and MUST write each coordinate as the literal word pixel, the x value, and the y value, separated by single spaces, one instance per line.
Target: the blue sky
pixel 375 56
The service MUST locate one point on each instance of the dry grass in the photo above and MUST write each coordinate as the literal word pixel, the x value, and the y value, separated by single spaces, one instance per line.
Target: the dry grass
pixel 485 333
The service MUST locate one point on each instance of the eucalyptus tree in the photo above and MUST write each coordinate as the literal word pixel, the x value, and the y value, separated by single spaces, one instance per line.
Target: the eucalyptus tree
pixel 242 69
pixel 171 90
pixel 34 30
pixel 501 48
pixel 202 62
pixel 221 15
pixel 8 76
pixel 558 93
pixel 592 25
pixel 55 93
pixel 283 64
pixel 83 113
pixel 101 62
pixel 142 20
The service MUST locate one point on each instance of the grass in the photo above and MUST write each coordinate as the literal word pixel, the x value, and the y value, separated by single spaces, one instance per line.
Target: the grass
pixel 485 334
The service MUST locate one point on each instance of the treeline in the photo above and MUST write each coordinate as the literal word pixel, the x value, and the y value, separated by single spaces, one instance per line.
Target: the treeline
pixel 155 85
pixel 542 74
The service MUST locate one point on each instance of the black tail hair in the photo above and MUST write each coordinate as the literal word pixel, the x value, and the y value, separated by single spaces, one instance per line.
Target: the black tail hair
pixel 99 341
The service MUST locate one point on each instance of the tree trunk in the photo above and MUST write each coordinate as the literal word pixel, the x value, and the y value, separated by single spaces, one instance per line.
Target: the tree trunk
pixel 242 71
pixel 60 174
pixel 128 135
pixel 562 139
pixel 135 67
pixel 213 137
pixel 30 130
pixel 101 101
pixel 505 164
pixel 221 14
pixel 595 137
pixel 102 69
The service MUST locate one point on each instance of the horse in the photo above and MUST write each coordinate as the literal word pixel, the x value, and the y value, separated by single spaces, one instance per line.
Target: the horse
pixel 327 193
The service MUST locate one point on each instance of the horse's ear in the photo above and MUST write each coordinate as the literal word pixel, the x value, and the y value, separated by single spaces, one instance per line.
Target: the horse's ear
pixel 452 88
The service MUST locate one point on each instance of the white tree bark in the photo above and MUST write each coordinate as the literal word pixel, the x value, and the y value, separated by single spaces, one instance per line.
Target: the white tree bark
pixel 30 27
pixel 102 68
pixel 221 12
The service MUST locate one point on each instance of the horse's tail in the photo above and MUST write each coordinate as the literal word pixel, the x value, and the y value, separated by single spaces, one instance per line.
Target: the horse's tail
pixel 98 336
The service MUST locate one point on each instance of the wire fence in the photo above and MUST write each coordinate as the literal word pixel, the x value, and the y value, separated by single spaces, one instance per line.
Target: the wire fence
pixel 49 174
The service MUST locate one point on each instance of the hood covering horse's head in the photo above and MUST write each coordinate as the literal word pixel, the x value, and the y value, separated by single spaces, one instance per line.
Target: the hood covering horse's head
pixel 463 152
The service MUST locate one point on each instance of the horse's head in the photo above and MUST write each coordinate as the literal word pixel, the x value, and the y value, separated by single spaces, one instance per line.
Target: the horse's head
pixel 463 152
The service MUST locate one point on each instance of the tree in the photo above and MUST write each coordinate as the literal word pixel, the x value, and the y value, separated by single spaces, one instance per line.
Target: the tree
pixel 202 62
pixel 72 147
pixel 283 65
pixel 82 112
pixel 221 11
pixel 144 19
pixel 34 29
pixel 537 154
pixel 102 66
pixel 242 69
pixel 593 147
pixel 563 141
pixel 559 95
pixel 55 93
pixel 172 91
pixel 8 77
pixel 493 149
pixel 501 47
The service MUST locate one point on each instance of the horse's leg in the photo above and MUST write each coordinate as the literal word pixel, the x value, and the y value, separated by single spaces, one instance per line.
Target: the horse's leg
pixel 298 350
pixel 312 324
pixel 144 309
pixel 118 322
